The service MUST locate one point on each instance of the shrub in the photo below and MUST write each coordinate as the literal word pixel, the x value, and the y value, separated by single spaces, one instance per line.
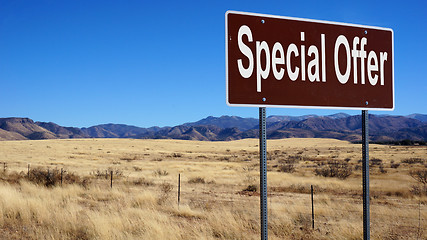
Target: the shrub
pixel 165 189
pixel 294 159
pixel 419 190
pixel 49 177
pixel 142 182
pixel 375 161
pixel 394 165
pixel 251 188
pixel 160 173
pixel 137 169
pixel 106 173
pixel 335 168
pixel 196 180
pixel 287 168
pixel 413 160
pixel 419 175
pixel 100 173
pixel 129 158
pixel 382 170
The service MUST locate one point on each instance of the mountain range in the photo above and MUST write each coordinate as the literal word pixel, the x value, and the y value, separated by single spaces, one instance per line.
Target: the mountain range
pixel 382 128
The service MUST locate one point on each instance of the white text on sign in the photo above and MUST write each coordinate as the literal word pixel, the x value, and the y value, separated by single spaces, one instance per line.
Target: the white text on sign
pixel 370 63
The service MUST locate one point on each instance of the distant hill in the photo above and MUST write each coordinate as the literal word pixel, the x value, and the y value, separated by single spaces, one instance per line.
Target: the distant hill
pixel 23 128
pixel 275 118
pixel 63 132
pixel 421 117
pixel 338 126
pixel 227 122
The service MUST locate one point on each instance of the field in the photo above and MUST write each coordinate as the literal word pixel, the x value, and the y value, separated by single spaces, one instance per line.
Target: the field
pixel 219 197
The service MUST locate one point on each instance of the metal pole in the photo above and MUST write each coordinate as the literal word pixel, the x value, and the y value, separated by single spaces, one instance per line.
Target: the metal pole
pixel 263 172
pixel 179 188
pixel 365 174
pixel 312 207
pixel 111 183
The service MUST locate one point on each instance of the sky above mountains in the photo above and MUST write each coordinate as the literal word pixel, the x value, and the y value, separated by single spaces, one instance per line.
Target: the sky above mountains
pixel 147 63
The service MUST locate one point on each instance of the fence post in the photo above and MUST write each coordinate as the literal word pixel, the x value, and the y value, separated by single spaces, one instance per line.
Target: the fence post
pixel 312 207
pixel 111 184
pixel 419 219
pixel 28 173
pixel 179 188
pixel 4 167
pixel 61 176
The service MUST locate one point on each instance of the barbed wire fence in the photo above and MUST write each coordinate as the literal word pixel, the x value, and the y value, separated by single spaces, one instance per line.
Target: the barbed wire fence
pixel 328 214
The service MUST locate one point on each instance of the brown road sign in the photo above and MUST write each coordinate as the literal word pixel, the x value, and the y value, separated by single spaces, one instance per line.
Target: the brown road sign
pixel 274 61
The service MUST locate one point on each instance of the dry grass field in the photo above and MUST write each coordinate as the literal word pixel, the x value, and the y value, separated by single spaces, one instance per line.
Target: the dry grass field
pixel 219 189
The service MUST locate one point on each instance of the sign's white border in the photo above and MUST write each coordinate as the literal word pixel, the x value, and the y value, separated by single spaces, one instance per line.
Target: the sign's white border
pixel 304 20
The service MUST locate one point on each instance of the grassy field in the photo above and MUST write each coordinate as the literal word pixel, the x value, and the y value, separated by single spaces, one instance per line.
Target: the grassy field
pixel 219 189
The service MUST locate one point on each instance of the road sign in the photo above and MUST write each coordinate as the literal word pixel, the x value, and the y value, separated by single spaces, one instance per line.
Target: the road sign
pixel 274 61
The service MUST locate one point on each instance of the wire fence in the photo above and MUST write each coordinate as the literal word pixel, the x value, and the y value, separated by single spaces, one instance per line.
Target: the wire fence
pixel 409 214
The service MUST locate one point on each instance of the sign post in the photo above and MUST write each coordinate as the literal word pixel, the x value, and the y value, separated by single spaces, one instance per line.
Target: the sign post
pixel 263 172
pixel 276 61
pixel 365 174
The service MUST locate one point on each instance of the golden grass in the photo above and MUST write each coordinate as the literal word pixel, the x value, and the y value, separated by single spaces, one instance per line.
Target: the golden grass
pixel 143 201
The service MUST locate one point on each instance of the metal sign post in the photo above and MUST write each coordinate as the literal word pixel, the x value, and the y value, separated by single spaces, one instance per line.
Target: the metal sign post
pixel 263 172
pixel 365 174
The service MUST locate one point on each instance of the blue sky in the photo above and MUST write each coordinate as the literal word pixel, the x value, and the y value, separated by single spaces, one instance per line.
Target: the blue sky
pixel 162 63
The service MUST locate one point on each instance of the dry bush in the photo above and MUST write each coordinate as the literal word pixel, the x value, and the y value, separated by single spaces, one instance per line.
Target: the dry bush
pixel 12 177
pixel 294 159
pixel 394 165
pixel 334 168
pixel 130 158
pixel 100 173
pixel 224 158
pixel 160 173
pixel 419 175
pixel 419 190
pixel 165 189
pixel 42 177
pixel 381 168
pixel 137 169
pixel 287 168
pixel 107 173
pixel 413 161
pixel 197 180
pixel 71 178
pixel 251 188
pixel 142 182
pixel 52 177
pixel 375 161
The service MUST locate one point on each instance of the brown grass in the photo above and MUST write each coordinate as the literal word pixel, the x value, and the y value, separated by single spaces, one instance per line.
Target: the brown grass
pixel 219 184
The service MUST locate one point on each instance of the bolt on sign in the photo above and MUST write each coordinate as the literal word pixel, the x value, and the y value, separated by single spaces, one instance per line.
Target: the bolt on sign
pixel 274 61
